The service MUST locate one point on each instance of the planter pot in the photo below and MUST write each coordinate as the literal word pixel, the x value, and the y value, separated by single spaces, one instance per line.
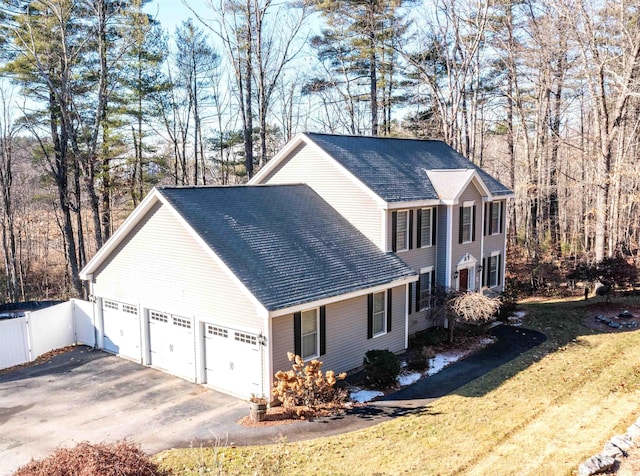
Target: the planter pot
pixel 257 411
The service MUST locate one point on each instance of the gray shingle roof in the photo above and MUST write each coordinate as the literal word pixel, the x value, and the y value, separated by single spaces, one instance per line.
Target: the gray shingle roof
pixel 284 242
pixel 395 168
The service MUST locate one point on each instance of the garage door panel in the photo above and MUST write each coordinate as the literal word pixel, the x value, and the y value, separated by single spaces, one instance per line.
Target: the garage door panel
pixel 121 325
pixel 172 344
pixel 233 360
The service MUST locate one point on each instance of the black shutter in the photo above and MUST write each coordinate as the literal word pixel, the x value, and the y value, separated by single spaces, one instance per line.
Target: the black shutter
pixel 487 212
pixel 410 229
pixel 460 230
pixel 418 294
pixel 389 309
pixel 410 298
pixel 394 230
pixel 323 330
pixel 485 271
pixel 297 333
pixel 473 224
pixel 434 220
pixel 369 316
pixel 499 265
pixel 419 228
pixel 503 206
pixel 433 281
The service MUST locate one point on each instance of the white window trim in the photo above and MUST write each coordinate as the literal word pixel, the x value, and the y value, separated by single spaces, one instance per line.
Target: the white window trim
pixel 472 224
pixel 431 223
pixel 494 254
pixel 384 314
pixel 316 354
pixel 496 230
pixel 426 270
pixel 405 247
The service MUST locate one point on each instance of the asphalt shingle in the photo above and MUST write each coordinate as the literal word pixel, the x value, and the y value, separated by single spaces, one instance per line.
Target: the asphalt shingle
pixel 284 242
pixel 395 168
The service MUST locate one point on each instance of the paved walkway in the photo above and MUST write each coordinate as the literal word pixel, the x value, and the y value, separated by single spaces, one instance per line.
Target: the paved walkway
pixel 511 342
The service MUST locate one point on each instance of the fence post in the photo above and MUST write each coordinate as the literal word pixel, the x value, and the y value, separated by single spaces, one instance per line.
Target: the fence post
pixel 29 334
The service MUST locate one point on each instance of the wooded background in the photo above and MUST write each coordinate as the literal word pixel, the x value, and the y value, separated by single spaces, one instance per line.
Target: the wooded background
pixel 99 103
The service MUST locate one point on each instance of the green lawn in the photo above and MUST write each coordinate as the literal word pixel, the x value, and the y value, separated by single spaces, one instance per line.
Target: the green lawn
pixel 542 414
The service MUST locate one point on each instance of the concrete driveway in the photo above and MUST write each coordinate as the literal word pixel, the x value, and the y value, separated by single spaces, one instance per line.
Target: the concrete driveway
pixel 87 394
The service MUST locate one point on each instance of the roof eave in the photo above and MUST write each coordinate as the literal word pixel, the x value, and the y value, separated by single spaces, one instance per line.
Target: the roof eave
pixel 112 243
pixel 342 297
pixel 278 158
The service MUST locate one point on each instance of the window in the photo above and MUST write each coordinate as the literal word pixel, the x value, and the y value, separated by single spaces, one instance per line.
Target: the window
pixel 245 338
pixel 129 309
pixel 425 290
pixel 467 212
pixel 379 313
pixel 494 271
pixel 426 227
pixel 496 216
pixel 401 237
pixel 158 316
pixel 309 333
pixel 217 331
pixel 181 322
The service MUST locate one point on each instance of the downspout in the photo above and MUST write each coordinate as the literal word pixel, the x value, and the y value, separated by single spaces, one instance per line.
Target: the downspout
pixel 266 361
pixel 449 245
pixel 406 316
pixel 92 300
pixel 504 247
pixel 482 225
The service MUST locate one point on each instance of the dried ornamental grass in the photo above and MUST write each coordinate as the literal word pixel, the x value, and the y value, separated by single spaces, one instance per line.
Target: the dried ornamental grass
pixel 474 307
pixel 306 385
pixel 122 458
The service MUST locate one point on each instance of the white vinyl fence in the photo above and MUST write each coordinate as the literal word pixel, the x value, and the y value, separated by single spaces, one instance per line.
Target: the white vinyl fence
pixel 24 339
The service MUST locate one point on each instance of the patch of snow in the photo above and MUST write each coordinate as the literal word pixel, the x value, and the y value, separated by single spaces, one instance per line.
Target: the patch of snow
pixel 440 361
pixel 362 396
pixel 409 378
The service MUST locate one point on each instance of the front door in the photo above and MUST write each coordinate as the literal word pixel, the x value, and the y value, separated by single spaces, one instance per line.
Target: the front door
pixel 464 279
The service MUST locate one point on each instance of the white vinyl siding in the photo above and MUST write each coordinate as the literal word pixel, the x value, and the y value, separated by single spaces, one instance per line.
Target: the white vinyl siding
pixel 346 336
pixel 332 183
pixel 161 265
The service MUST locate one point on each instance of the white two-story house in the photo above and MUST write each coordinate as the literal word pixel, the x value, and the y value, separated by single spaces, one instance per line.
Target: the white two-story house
pixel 330 251
pixel 420 199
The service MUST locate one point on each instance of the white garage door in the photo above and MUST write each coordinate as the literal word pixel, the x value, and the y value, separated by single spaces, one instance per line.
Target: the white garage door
pixel 172 344
pixel 121 329
pixel 233 360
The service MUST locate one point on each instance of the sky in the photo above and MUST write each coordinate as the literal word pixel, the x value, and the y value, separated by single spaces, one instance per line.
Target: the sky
pixel 171 13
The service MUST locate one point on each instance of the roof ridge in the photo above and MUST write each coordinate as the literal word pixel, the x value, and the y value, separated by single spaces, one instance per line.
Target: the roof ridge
pixel 231 186
pixel 364 136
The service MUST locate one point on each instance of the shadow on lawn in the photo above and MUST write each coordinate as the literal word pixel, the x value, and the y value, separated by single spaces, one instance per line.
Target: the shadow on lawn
pixel 550 326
